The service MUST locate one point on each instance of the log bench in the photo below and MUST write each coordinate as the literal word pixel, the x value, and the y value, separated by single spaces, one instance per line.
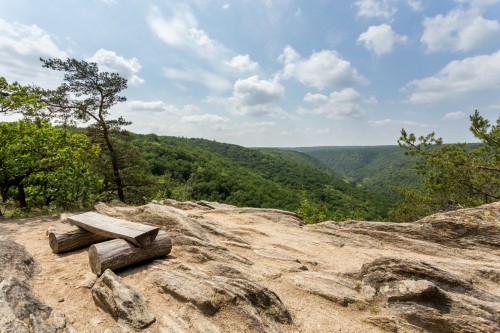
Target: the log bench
pixel 114 243
pixel 111 227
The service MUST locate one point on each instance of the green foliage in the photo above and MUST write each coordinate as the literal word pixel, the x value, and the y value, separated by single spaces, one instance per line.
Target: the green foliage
pixel 87 95
pixel 454 175
pixel 198 169
pixel 45 166
pixel 311 212
pixel 16 98
pixel 378 169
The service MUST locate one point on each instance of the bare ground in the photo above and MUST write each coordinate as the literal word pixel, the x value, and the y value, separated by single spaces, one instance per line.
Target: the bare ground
pixel 269 247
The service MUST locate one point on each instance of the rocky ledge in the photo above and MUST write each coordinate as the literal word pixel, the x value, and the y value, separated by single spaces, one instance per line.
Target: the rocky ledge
pixel 262 270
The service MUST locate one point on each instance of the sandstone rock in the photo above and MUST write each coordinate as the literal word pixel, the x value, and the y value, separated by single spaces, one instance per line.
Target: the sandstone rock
pixel 471 228
pixel 334 288
pixel 209 294
pixel 8 320
pixel 21 300
pixel 122 302
pixel 88 281
pixel 416 291
pixel 387 269
pixel 173 220
pixel 20 309
pixel 186 205
pixel 213 229
pixel 252 270
pixel 15 261
pixel 187 320
pixel 440 301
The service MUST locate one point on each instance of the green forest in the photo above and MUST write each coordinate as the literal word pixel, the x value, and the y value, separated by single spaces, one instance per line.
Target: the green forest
pixel 50 163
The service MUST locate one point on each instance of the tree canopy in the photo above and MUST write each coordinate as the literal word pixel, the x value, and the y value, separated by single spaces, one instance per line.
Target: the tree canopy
pixel 41 165
pixel 15 98
pixel 454 175
pixel 87 95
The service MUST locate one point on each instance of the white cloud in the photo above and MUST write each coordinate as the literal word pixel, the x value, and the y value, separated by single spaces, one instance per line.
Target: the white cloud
pixel 454 115
pixel 396 123
pixel 478 3
pixel 204 118
pixel 211 80
pixel 415 5
pixel 376 8
pixel 380 39
pixel 384 8
pixel 315 98
pixel 181 30
pixel 457 79
pixel 344 103
pixel 255 97
pixel 21 46
pixel 148 107
pixel 225 6
pixel 109 61
pixel 323 69
pixel 316 131
pixel 243 63
pixel 252 91
pixel 110 2
pixel 459 30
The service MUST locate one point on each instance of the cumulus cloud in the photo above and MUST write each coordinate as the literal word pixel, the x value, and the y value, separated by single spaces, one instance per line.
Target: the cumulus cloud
pixel 458 30
pixel 155 107
pixel 344 103
pixel 21 46
pixel 181 30
pixel 204 118
pixel 209 79
pixel 255 97
pixel 415 5
pixel 478 3
pixel 457 79
pixel 109 61
pixel 376 8
pixel 243 63
pixel 397 123
pixel 384 8
pixel 252 91
pixel 454 115
pixel 380 39
pixel 323 69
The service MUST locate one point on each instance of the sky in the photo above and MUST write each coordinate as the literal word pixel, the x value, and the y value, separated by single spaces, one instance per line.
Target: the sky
pixel 273 73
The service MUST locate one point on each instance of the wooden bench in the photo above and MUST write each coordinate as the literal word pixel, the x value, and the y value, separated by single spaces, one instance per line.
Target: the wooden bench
pixel 138 234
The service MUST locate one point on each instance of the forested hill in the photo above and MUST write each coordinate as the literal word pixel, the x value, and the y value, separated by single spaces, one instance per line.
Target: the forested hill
pixel 275 178
pixel 376 168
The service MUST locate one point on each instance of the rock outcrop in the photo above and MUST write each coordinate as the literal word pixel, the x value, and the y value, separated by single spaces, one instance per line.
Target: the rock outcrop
pixel 262 270
pixel 20 310
pixel 121 301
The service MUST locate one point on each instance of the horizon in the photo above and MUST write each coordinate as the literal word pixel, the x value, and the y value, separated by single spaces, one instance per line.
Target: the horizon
pixel 269 74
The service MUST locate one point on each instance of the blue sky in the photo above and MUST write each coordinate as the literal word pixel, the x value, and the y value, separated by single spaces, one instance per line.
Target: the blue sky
pixel 273 72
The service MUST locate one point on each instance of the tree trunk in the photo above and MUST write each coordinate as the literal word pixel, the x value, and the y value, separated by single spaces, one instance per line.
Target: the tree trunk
pixel 21 196
pixel 118 253
pixel 114 161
